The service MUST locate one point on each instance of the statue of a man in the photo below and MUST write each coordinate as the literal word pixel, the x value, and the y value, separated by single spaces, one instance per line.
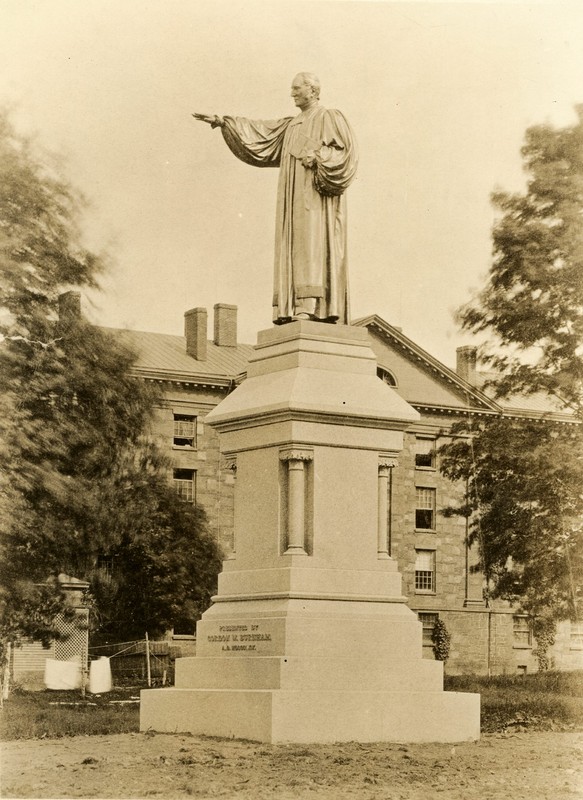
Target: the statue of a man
pixel 317 155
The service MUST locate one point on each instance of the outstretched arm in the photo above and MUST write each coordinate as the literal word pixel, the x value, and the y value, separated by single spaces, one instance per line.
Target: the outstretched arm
pixel 255 142
pixel 212 119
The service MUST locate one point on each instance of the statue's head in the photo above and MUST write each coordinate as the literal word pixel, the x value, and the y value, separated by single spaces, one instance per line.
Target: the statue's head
pixel 305 88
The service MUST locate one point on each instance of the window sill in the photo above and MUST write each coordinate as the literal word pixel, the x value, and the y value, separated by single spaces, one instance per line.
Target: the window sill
pixel 425 591
pixel 576 647
pixel 425 469
pixel 522 647
pixel 425 530
pixel 190 448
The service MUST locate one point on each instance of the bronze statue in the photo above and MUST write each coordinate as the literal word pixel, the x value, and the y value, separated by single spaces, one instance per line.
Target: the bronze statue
pixel 317 155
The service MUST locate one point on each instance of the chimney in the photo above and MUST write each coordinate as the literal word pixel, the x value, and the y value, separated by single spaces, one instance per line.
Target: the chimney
pixel 69 308
pixel 195 331
pixel 466 358
pixel 225 325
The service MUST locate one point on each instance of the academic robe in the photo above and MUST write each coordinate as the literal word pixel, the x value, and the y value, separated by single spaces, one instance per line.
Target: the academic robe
pixel 310 269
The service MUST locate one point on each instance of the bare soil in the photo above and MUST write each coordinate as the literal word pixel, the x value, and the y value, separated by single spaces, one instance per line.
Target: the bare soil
pixel 508 766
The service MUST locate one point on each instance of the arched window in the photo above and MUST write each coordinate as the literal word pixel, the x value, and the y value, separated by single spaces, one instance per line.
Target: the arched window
pixel 386 376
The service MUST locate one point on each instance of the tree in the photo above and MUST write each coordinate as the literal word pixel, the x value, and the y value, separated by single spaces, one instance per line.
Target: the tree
pixel 533 298
pixel 79 475
pixel 524 477
pixel 158 572
pixel 525 503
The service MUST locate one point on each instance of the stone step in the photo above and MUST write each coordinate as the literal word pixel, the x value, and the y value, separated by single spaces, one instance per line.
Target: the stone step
pixel 280 716
pixel 308 673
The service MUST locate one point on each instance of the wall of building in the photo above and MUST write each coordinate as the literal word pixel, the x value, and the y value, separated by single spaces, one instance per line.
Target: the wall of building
pixel 447 538
pixel 213 481
pixel 483 640
pixel 28 664
pixel 567 653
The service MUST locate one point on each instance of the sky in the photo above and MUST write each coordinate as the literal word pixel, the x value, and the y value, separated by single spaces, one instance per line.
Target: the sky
pixel 439 95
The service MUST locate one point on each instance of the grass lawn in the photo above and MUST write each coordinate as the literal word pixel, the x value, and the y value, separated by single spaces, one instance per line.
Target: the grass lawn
pixel 543 701
pixel 540 701
pixel 52 714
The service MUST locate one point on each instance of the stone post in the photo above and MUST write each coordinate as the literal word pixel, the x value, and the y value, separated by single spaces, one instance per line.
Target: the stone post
pixel 386 464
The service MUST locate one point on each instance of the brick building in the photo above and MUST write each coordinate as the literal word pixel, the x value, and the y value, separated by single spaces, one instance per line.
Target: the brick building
pixel 195 375
pixel 432 552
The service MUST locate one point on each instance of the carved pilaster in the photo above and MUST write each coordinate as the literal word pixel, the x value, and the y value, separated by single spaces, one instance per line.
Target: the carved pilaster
pixel 296 454
pixel 229 468
pixel 386 464
pixel 296 458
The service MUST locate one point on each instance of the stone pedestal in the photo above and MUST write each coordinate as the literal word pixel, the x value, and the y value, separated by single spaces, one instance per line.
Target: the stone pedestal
pixel 309 638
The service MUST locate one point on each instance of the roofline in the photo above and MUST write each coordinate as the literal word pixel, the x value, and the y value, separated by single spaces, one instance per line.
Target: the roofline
pixel 541 416
pixel 171 376
pixel 375 321
pixel 492 407
pixel 207 380
pixel 469 411
pixel 486 407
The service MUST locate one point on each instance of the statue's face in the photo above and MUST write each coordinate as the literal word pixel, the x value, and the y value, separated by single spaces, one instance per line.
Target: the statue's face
pixel 302 93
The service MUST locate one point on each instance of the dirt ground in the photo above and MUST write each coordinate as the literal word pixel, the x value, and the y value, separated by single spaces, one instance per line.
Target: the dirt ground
pixel 516 766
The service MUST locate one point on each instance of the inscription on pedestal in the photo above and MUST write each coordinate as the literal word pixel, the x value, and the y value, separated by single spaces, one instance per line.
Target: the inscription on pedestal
pixel 240 638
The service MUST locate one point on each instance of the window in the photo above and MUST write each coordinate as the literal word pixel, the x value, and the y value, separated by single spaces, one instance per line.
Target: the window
pixel 386 376
pixel 185 484
pixel 184 626
pixel 425 509
pixel 424 453
pixel 522 632
pixel 576 637
pixel 428 624
pixel 184 430
pixel 425 571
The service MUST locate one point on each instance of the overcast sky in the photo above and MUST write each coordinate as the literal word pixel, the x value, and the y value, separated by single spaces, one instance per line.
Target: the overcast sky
pixel 439 95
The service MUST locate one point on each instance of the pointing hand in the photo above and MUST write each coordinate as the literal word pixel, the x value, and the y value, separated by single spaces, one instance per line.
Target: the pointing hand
pixel 212 119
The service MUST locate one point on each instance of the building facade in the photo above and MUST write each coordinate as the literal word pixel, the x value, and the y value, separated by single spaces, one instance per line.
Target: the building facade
pixel 432 550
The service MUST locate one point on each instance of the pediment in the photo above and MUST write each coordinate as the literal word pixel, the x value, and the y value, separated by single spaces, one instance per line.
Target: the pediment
pixel 421 379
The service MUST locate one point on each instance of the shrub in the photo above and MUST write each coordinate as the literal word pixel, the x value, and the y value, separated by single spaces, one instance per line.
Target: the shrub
pixel 441 639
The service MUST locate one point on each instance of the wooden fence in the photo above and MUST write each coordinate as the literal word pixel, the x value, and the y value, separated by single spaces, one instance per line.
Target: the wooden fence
pixel 141 662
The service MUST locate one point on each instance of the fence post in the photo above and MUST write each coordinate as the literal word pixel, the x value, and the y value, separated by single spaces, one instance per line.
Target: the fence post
pixel 6 675
pixel 148 671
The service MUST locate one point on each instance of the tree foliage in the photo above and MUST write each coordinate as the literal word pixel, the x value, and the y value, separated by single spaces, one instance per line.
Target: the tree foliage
pixel 162 565
pixel 79 475
pixel 524 477
pixel 533 298
pixel 525 504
